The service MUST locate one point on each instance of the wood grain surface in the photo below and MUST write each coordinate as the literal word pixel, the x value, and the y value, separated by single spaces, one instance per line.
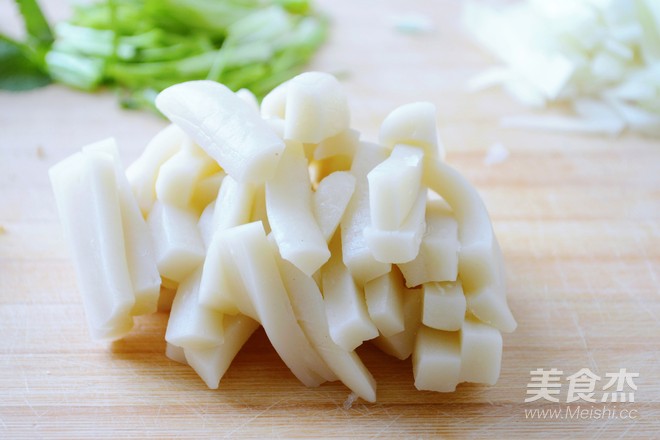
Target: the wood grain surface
pixel 578 219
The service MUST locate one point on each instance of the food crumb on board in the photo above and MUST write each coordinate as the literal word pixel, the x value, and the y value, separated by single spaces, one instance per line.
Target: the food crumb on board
pixel 2 230
pixel 40 152
pixel 497 153
pixel 413 23
pixel 348 403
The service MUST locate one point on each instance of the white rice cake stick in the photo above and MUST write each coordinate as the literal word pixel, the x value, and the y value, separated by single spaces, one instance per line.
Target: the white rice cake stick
pixel 273 106
pixel 355 253
pixel 205 224
pixel 142 173
pixel 248 97
pixel 234 204
pixel 438 254
pixel 178 246
pixel 444 306
pixel 221 287
pixel 87 200
pixel 179 175
pixel 175 353
pixel 277 125
pixel 259 211
pixel 384 297
pixel 480 262
pixel 401 245
pixel 331 199
pixel 226 128
pixel 316 108
pixel 258 270
pixel 412 124
pixel 436 360
pixel 206 191
pixel 291 216
pixel 307 302
pixel 401 344
pixel 191 324
pixel 394 185
pixel 212 363
pixel 320 169
pixel 481 352
pixel 345 304
pixel 138 243
pixel 342 144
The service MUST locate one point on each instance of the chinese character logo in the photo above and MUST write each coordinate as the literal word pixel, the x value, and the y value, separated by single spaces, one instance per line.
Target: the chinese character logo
pixel 544 384
pixel 619 379
pixel 582 385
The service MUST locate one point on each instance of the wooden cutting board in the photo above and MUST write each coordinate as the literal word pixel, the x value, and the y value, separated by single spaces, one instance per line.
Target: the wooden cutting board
pixel 578 219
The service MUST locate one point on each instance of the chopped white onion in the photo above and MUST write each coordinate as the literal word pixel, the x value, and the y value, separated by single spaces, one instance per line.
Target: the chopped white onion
pixel 603 51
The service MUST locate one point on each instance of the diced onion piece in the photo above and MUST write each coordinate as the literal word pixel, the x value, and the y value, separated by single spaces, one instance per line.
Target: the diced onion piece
pixel 87 200
pixel 190 323
pixel 256 265
pixel 308 306
pixel 384 296
pixel 436 360
pixel 569 124
pixel 316 108
pixel 400 245
pixel 437 259
pixel 291 216
pixel 140 258
pixel 412 124
pixel 643 121
pixel 331 199
pixel 481 352
pixel 236 137
pixel 345 304
pixel 212 363
pixel 179 175
pixel 480 261
pixel 394 185
pixel 444 306
pixel 570 51
pixel 401 344
pixel 178 246
pixel 142 173
pixel 608 66
pixel 512 36
pixel 496 154
pixel 355 253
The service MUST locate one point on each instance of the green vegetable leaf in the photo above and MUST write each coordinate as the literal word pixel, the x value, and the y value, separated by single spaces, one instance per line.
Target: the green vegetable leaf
pixel 36 25
pixel 140 47
pixel 17 71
